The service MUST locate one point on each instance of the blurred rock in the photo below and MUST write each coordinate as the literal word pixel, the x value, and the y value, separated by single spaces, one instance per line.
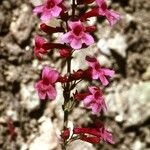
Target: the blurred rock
pixel 138 145
pixel 118 44
pixel 146 75
pixel 36 2
pixel 21 28
pixel 80 145
pixel 29 97
pixel 103 46
pixel 46 139
pixel 138 104
pixel 132 105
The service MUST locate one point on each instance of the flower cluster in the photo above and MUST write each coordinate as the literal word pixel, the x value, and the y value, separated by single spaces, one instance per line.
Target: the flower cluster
pixel 75 34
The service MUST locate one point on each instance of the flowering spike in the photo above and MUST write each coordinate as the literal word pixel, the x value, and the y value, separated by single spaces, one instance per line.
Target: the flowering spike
pixel 74 35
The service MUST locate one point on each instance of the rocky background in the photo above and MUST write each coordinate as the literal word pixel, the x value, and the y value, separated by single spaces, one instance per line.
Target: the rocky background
pixel 26 123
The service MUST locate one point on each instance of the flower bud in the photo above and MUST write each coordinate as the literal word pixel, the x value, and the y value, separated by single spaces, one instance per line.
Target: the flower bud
pixel 47 46
pixel 50 30
pixel 80 96
pixel 65 134
pixel 62 79
pixel 77 75
pixel 91 28
pixel 65 52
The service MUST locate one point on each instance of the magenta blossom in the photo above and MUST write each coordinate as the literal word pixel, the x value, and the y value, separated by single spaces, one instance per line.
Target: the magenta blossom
pixel 38 50
pixel 50 9
pixel 77 36
pixel 45 86
pixel 97 71
pixel 95 100
pixel 103 10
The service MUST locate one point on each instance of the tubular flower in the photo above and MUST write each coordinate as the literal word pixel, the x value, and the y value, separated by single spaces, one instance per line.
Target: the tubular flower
pixel 45 87
pixel 77 36
pixel 50 9
pixel 111 15
pixel 102 10
pixel 49 30
pixel 94 134
pixel 38 50
pixel 94 100
pixel 98 72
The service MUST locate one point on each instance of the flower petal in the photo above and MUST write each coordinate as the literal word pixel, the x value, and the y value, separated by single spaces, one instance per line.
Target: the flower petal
pixel 45 72
pixel 73 24
pixel 88 100
pixel 76 44
pixel 103 79
pixel 39 41
pixel 112 17
pixel 46 15
pixel 38 87
pixel 108 72
pixel 100 2
pixel 51 93
pixel 38 9
pixel 66 38
pixel 95 108
pixel 57 1
pixel 93 89
pixel 88 39
pixel 55 11
pixel 92 61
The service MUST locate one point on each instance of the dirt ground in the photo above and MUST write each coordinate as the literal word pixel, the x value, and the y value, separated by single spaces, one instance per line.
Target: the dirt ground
pixel 125 47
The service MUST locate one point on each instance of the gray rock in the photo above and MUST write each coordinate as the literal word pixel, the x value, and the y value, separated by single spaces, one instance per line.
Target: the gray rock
pixel 29 97
pixel 46 139
pixel 21 28
pixel 118 44
pixel 131 105
pixel 78 145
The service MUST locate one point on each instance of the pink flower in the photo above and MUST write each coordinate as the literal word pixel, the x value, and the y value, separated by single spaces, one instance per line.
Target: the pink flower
pixel 45 86
pixel 38 50
pixel 97 71
pixel 77 36
pixel 95 100
pixel 48 10
pixel 111 16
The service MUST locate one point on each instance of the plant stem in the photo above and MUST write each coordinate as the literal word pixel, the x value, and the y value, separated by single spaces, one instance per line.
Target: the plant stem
pixel 67 89
pixel 73 9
